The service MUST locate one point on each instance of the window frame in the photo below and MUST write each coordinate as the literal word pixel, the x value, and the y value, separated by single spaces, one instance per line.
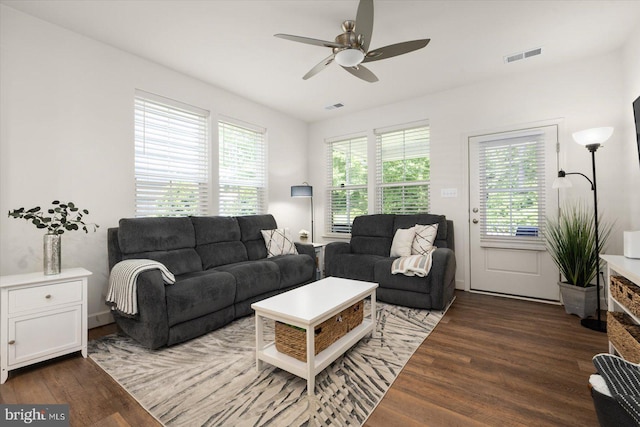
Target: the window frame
pixel 171 150
pixel 515 138
pixel 402 135
pixel 242 178
pixel 361 142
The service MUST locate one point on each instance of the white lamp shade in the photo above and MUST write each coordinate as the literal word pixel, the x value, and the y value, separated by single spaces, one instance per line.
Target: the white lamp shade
pixel 349 57
pixel 301 191
pixel 593 136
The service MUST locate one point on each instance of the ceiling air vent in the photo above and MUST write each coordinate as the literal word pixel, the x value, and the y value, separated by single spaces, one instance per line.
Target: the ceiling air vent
pixel 522 55
pixel 334 106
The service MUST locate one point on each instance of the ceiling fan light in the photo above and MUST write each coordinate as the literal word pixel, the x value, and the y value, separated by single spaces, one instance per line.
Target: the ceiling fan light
pixel 349 57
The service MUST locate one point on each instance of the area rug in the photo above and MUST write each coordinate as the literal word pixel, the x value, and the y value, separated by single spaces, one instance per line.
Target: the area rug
pixel 212 380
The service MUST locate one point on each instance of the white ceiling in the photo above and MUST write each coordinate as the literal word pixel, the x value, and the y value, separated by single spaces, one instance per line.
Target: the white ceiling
pixel 230 44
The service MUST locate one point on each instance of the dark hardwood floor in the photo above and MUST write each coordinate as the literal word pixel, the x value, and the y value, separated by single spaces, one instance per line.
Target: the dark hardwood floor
pixel 490 362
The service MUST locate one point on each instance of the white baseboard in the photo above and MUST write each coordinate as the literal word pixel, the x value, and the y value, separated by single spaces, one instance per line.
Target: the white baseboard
pixel 100 319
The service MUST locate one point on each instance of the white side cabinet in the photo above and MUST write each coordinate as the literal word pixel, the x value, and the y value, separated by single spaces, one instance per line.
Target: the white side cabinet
pixel 628 268
pixel 42 317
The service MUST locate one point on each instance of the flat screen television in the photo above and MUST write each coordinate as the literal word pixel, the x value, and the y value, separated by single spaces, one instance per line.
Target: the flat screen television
pixel 636 114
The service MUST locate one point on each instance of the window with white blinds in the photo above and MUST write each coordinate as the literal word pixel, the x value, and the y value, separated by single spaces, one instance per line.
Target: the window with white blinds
pixel 243 172
pixel 402 170
pixel 171 157
pixel 347 183
pixel 512 188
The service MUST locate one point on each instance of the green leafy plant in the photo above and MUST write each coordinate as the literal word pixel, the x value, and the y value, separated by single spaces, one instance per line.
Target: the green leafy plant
pixel 57 219
pixel 571 241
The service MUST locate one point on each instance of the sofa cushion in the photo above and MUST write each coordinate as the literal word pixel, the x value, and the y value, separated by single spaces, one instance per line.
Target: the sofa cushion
pixel 278 242
pixel 216 254
pixel 178 261
pixel 253 277
pixel 383 277
pixel 424 238
pixel 170 241
pixel 215 229
pixel 380 246
pixel 406 221
pixel 294 269
pixel 218 241
pixel 250 227
pixel 379 225
pixel 403 241
pixel 198 294
pixel 372 234
pixel 355 266
pixel 137 235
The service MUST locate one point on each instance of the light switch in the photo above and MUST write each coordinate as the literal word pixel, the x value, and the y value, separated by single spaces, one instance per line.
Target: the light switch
pixel 449 192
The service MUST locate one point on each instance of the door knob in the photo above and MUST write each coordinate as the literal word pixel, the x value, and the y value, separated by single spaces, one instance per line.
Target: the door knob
pixel 475 221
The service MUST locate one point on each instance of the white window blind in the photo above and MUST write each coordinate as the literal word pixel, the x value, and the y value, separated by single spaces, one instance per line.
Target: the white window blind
pixel 347 183
pixel 243 172
pixel 512 188
pixel 402 170
pixel 171 157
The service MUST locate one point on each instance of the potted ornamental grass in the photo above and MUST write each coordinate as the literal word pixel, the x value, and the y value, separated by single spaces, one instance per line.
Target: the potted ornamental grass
pixel 571 242
pixel 57 219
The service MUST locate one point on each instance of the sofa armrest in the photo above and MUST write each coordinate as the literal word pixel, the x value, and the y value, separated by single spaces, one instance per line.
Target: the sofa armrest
pixel 443 277
pixel 150 327
pixel 331 251
pixel 307 249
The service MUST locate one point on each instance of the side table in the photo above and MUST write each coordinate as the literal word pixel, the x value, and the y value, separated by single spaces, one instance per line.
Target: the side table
pixel 319 248
pixel 42 317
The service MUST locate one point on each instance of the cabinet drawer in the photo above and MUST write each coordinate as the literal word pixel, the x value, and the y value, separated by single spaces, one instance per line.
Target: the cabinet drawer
pixel 46 296
pixel 37 337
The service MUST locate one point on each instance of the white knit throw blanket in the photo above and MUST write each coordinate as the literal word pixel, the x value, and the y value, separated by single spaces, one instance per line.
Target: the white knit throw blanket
pixel 122 295
pixel 413 265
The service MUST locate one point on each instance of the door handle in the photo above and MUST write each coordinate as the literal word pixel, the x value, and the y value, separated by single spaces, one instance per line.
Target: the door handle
pixel 475 221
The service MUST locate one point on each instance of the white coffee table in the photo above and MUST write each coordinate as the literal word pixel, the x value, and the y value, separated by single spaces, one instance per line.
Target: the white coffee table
pixel 306 307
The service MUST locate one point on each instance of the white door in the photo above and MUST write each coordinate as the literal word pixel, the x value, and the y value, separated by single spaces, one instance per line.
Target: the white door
pixel 510 194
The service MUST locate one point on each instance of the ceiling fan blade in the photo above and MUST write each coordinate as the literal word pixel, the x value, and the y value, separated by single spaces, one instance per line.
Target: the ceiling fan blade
pixel 308 40
pixel 321 66
pixel 362 73
pixel 395 50
pixel 364 22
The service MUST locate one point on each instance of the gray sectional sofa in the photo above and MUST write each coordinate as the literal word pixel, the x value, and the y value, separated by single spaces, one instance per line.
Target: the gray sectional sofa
pixel 367 257
pixel 221 268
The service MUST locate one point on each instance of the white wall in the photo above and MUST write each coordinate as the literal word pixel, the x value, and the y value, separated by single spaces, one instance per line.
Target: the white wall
pixel 631 69
pixel 67 133
pixel 581 94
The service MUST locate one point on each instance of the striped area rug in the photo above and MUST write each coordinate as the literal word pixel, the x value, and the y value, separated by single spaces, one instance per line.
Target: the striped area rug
pixel 212 380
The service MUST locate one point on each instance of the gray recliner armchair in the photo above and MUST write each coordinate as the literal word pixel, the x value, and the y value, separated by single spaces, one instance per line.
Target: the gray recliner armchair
pixel 367 257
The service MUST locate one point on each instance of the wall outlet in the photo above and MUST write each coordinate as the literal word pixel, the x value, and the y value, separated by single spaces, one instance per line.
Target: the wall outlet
pixel 449 192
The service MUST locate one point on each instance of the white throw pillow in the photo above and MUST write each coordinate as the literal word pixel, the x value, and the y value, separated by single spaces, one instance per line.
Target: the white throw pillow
pixel 423 241
pixel 402 241
pixel 278 242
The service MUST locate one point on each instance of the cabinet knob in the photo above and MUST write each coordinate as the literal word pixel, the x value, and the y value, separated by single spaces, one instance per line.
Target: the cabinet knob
pixel 48 296
pixel 12 342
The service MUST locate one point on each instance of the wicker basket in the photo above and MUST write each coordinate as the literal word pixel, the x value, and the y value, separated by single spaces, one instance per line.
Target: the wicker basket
pixel 624 334
pixel 292 340
pixel 626 293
